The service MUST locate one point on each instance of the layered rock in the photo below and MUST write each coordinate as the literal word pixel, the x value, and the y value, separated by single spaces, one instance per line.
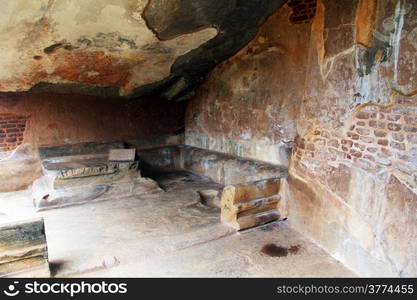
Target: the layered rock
pixel 23 249
pixel 121 47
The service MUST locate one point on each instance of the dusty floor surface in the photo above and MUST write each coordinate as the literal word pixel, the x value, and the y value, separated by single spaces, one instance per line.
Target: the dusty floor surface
pixel 169 234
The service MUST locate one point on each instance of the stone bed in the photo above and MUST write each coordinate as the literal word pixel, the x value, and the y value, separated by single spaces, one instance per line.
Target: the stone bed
pixel 76 174
pixel 250 194
pixel 80 173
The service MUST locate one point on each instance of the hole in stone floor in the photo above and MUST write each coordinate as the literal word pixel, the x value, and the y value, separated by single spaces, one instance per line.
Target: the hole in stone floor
pixel 210 198
pixel 278 251
pixel 57 266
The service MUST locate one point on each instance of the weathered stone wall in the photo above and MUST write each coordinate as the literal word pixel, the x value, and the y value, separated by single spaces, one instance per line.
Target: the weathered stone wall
pixel 249 104
pixel 12 128
pixel 29 120
pixel 344 98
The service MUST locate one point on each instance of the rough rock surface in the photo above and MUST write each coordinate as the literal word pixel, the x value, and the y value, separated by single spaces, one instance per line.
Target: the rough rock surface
pixel 336 98
pixel 170 234
pixel 122 46
pixel 20 169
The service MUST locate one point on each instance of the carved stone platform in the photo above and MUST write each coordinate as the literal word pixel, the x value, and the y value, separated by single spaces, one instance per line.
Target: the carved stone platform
pixel 250 195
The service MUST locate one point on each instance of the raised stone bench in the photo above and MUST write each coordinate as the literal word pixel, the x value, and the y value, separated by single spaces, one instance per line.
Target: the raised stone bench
pixel 250 196
pixel 76 174
pixel 23 249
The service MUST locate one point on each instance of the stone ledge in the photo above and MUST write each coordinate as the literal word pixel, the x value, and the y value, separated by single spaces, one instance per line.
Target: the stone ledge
pixel 23 249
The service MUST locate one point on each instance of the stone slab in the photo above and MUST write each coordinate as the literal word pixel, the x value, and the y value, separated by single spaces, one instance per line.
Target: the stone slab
pixel 68 192
pixel 23 249
pixel 84 166
pixel 126 155
pixel 79 149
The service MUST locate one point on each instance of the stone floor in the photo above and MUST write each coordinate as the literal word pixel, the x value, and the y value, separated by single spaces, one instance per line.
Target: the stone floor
pixel 168 234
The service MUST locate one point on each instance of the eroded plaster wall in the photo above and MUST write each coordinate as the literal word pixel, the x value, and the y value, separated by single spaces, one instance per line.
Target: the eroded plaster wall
pixel 30 120
pixel 340 92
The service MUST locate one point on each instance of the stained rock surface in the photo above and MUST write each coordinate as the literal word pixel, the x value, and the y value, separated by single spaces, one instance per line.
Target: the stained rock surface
pixel 121 47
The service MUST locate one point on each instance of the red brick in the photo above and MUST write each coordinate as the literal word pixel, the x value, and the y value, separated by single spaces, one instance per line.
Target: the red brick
pixel 347 142
pixel 309 154
pixel 403 157
pixel 369 157
pixel 383 142
pixel 410 119
pixel 399 137
pixel 362 115
pixel 412 138
pixel 310 147
pixel 381 116
pixel 385 151
pixel 360 146
pixel 338 154
pixel 380 133
pixel 333 143
pixel 363 131
pixel 377 124
pixel 325 134
pixel 366 139
pixel 355 153
pixel 394 118
pixel 410 129
pixel 383 159
pixel 8 126
pixel 353 135
pixel 398 146
pixel 394 127
pixel 320 142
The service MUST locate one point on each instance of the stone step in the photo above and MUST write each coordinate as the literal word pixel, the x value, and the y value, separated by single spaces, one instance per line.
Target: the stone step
pixel 95 188
pixel 240 193
pixel 23 249
pixel 251 204
pixel 85 166
pixel 253 220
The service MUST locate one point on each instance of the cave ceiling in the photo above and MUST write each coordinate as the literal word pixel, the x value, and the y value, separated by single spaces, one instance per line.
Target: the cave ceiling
pixel 124 48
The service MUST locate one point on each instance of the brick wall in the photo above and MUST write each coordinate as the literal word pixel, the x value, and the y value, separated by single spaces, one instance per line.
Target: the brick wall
pixel 303 10
pixel 375 136
pixel 12 128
